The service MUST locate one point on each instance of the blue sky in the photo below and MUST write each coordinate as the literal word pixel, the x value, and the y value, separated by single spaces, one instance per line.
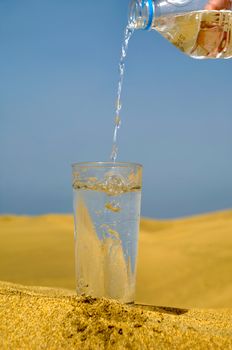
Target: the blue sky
pixel 58 81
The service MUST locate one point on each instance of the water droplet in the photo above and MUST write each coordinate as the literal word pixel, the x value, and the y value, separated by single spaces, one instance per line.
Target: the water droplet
pixel 117 121
pixel 118 105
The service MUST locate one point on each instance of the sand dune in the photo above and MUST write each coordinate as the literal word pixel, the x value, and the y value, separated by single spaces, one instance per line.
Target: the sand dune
pixel 42 318
pixel 182 263
pixel 188 262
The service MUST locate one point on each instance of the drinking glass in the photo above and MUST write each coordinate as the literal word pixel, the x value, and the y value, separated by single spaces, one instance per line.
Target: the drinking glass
pixel 107 200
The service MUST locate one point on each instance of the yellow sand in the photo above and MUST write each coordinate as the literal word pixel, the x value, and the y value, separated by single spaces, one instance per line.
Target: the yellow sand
pixel 185 264
pixel 182 263
pixel 37 318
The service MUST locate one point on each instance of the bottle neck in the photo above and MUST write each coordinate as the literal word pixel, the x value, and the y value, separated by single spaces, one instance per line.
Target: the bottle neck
pixel 141 14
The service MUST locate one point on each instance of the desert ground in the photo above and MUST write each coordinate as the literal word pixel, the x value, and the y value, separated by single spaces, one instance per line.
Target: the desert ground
pixel 183 297
pixel 182 263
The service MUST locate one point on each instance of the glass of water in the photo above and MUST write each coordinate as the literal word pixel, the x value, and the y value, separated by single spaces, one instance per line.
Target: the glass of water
pixel 107 199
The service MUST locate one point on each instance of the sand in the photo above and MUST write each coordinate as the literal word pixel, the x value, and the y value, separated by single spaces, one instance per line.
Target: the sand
pixel 42 318
pixel 185 263
pixel 184 271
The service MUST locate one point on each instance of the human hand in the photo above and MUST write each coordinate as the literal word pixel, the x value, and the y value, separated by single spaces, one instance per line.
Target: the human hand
pixel 219 5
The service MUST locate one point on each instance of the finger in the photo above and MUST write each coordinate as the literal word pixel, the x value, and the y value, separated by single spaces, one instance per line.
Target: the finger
pixel 218 5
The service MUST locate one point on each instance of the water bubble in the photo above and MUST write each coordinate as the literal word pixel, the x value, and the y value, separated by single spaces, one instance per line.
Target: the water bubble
pixel 107 232
pixel 114 184
pixel 118 104
pixel 114 152
pixel 113 206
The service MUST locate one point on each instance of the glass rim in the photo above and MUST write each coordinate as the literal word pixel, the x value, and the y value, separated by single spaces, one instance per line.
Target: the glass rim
pixel 106 165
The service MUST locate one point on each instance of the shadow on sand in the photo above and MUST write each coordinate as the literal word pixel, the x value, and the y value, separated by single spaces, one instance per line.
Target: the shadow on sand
pixel 162 309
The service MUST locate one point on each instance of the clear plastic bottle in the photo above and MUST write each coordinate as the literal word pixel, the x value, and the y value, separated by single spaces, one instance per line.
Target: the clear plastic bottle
pixel 199 28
